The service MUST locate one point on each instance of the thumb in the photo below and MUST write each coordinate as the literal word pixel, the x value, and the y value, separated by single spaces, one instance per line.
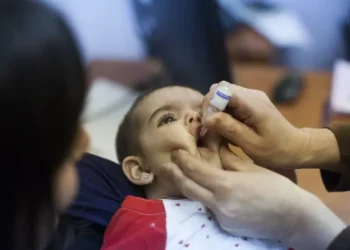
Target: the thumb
pixel 232 129
pixel 230 161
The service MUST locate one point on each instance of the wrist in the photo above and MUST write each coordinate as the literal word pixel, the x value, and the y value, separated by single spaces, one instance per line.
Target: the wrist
pixel 316 227
pixel 318 149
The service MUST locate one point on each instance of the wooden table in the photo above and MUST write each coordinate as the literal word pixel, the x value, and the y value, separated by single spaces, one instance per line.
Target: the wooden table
pixel 306 112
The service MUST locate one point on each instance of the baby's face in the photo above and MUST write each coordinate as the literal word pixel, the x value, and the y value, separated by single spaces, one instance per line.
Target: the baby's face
pixel 170 119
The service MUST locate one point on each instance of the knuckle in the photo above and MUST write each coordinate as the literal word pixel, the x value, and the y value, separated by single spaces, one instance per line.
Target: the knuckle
pixel 220 119
pixel 264 97
pixel 261 94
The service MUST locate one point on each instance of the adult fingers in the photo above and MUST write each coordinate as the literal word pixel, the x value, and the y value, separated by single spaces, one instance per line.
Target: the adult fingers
pixel 212 141
pixel 230 161
pixel 188 187
pixel 232 129
pixel 239 152
pixel 250 106
pixel 241 102
pixel 244 105
pixel 207 176
pixel 213 87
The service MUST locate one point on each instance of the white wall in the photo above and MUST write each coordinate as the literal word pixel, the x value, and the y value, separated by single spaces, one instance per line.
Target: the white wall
pixel 104 28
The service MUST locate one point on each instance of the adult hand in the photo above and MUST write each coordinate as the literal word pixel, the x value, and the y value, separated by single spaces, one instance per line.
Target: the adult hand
pixel 248 200
pixel 254 124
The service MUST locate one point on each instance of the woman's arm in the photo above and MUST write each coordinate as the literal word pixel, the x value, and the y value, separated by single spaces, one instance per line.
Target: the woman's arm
pixel 329 150
pixel 319 150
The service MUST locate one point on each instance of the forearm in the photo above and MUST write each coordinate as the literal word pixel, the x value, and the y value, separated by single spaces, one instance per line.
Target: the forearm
pixel 320 150
pixel 317 227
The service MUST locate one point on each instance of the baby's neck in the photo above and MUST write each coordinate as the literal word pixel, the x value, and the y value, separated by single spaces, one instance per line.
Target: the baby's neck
pixel 154 192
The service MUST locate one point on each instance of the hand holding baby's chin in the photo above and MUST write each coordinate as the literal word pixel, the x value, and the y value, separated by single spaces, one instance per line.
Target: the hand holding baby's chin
pixel 240 205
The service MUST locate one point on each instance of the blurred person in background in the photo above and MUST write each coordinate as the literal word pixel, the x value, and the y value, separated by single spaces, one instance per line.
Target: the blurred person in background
pixel 98 26
pixel 43 87
pixel 193 40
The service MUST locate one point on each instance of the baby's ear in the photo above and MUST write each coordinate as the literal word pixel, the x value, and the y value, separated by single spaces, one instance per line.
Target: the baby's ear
pixel 135 171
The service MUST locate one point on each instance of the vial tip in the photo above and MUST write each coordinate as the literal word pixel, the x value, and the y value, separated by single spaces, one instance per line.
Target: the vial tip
pixel 203 131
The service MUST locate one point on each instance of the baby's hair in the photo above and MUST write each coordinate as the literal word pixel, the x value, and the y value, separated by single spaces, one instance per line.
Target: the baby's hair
pixel 127 140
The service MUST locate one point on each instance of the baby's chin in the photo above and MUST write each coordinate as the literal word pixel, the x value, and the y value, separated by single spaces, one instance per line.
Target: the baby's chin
pixel 194 147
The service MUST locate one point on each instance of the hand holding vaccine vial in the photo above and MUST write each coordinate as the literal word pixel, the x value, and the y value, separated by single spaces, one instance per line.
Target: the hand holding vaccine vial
pixel 219 101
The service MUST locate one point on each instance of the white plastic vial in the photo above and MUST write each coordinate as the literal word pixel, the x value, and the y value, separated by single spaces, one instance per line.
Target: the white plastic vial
pixel 219 101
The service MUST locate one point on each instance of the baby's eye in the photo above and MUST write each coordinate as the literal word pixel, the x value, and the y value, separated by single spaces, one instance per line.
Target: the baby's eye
pixel 166 119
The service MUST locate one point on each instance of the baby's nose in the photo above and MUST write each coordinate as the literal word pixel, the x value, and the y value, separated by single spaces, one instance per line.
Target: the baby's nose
pixel 194 117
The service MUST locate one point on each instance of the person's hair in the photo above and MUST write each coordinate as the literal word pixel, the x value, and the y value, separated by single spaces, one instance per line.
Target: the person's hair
pixel 42 91
pixel 127 141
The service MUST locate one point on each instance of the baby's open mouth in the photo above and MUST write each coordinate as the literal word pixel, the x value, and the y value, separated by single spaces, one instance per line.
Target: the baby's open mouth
pixel 200 142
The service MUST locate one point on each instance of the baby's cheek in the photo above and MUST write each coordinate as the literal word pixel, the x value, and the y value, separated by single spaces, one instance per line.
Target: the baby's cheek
pixel 182 141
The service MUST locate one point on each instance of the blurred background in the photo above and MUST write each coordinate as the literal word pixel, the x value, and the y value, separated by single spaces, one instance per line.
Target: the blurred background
pixel 294 50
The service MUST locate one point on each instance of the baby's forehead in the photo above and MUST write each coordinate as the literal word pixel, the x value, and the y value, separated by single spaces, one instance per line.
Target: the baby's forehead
pixel 174 95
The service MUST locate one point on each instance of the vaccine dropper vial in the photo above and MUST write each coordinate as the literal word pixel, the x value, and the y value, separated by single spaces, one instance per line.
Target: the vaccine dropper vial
pixel 219 101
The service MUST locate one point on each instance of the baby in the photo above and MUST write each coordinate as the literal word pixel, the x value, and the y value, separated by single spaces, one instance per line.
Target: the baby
pixel 159 122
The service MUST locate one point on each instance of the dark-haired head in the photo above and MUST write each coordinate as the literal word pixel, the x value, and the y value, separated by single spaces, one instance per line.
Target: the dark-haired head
pixel 159 122
pixel 42 90
pixel 127 139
